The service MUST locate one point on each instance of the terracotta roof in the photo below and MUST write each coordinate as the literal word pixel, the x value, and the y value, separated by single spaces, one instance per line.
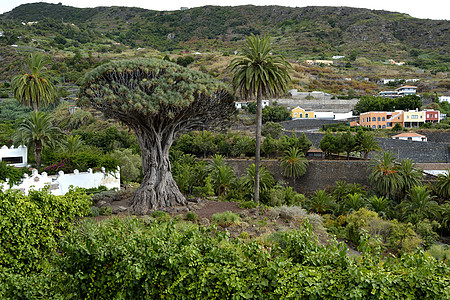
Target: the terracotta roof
pixel 315 150
pixel 409 134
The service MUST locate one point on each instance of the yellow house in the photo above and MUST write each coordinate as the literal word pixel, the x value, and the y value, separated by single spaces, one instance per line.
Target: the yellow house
pixel 413 118
pixel 300 113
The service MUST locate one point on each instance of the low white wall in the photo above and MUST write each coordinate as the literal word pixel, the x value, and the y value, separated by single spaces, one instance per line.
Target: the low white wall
pixel 87 180
pixel 60 184
pixel 20 151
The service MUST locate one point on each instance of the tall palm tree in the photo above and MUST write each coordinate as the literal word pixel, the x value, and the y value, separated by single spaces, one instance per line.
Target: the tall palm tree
pixel 293 163
pixel 36 130
pixel 385 175
pixel 261 74
pixel 35 87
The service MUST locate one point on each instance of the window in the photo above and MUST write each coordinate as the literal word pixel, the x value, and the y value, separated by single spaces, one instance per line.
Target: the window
pixel 428 116
pixel 407 117
pixel 374 126
pixel 374 119
pixel 383 119
pixel 13 160
pixel 306 115
pixel 379 126
pixel 379 119
pixel 384 126
pixel 301 115
pixel 295 115
pixel 414 117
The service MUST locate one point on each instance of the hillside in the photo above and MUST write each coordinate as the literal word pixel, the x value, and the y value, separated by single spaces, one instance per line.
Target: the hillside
pixel 80 38
pixel 300 31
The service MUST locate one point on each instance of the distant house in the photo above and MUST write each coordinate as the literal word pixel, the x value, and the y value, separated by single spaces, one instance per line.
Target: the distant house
pixel 406 90
pixel 410 136
pixel 314 154
pixel 240 104
pixel 400 92
pixel 318 62
pixel 444 99
pixel 300 113
pixel 432 116
pixel 413 118
pixel 338 56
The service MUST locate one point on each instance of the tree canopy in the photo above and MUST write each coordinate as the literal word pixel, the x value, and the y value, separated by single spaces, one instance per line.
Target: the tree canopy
pixel 157 99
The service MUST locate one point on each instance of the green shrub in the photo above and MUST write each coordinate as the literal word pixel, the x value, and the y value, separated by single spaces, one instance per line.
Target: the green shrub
pixel 31 226
pixel 226 219
pixel 105 211
pixel 130 164
pixel 94 211
pixel 160 215
pixel 126 259
pixel 191 216
pixel 13 174
pixel 248 204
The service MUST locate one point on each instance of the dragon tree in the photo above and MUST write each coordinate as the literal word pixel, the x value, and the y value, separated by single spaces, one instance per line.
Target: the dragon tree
pixel 157 99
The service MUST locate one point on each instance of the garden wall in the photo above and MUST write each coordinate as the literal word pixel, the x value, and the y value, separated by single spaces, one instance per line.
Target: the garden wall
pixel 319 175
pixel 60 184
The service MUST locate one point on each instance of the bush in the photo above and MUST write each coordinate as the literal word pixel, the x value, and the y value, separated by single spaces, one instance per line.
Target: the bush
pixel 190 216
pixel 105 211
pixel 130 164
pixel 31 226
pixel 226 219
pixel 13 174
pixel 248 204
pixel 95 212
pixel 128 259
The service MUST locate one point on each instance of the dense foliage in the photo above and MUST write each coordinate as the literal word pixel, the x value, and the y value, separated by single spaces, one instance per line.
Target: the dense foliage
pixel 372 103
pixel 132 258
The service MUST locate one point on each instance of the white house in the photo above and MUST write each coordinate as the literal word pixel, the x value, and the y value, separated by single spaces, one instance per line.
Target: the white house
pixel 410 136
pixel 16 157
pixel 444 99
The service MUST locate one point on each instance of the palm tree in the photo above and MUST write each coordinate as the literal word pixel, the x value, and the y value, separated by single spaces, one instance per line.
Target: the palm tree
pixel 293 163
pixel 261 74
pixel 411 176
pixel 385 175
pixel 366 143
pixel 420 205
pixel 72 144
pixel 35 87
pixel 443 185
pixel 379 204
pixel 266 179
pixel 36 131
pixel 221 175
pixel 354 202
pixel 321 202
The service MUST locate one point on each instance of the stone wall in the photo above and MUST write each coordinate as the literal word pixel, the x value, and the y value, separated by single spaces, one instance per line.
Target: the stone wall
pixel 420 152
pixel 319 175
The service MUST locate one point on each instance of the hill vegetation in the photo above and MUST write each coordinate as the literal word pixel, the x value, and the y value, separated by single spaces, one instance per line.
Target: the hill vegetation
pixel 80 38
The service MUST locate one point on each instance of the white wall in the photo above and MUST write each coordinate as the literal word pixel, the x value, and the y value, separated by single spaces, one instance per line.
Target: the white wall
pixel 20 151
pixel 444 99
pixel 59 184
pixel 343 116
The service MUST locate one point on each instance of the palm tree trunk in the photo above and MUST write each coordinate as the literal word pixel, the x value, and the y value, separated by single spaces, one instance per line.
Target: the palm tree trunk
pixel 258 142
pixel 37 152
